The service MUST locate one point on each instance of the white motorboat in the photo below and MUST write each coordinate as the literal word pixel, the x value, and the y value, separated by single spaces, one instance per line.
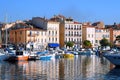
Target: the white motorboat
pixel 113 57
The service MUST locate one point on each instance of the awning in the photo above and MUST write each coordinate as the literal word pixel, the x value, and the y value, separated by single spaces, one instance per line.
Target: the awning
pixel 53 45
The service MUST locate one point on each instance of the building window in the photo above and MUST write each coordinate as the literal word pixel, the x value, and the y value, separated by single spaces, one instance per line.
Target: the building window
pixel 69 39
pixel 45 40
pixel 56 39
pixel 74 40
pixel 52 32
pixel 66 39
pixel 49 32
pixel 53 39
pixel 92 35
pixel 56 32
pixel 74 27
pixel 80 27
pixel 38 33
pixel 88 35
pixel 96 41
pixel 69 33
pixel 69 26
pixel 41 40
pixel 49 39
pixel 77 39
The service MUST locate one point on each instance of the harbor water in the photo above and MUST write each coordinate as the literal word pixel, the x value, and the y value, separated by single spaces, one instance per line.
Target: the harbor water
pixel 81 67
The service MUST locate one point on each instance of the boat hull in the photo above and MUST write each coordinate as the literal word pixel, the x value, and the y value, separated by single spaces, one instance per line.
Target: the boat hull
pixel 113 58
pixel 23 58
pixel 18 58
pixel 47 57
pixel 68 55
pixel 3 57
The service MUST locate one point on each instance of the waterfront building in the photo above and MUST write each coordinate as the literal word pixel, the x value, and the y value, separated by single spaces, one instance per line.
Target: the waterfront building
pixel 113 34
pixel 101 33
pixel 52 28
pixel 24 34
pixel 88 33
pixel 4 32
pixel 70 30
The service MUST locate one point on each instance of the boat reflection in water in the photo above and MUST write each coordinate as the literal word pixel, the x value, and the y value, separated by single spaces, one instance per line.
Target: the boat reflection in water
pixel 77 68
pixel 113 74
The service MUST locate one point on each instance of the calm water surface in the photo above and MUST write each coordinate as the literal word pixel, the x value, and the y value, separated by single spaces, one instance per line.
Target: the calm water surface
pixel 79 68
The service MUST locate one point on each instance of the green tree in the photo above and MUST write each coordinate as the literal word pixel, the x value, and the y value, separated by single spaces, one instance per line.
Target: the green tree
pixel 104 42
pixel 87 44
pixel 117 40
pixel 118 37
pixel 69 44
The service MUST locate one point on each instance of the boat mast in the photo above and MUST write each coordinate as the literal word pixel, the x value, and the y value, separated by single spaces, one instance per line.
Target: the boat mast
pixel 6 30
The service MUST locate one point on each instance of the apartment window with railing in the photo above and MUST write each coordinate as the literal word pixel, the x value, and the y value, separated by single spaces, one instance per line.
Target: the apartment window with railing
pixel 66 39
pixel 49 32
pixel 96 41
pixel 69 27
pixel 41 40
pixel 65 34
pixel 77 40
pixel 52 32
pixel 49 39
pixel 53 39
pixel 56 39
pixel 56 32
pixel 92 36
pixel 80 28
pixel 69 39
pixel 74 27
pixel 69 33
pixel 74 40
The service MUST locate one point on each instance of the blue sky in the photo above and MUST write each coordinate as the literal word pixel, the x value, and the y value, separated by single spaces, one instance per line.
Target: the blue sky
pixel 81 10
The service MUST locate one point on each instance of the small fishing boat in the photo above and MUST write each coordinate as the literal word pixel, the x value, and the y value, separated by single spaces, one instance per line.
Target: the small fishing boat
pixel 45 55
pixel 19 56
pixel 68 55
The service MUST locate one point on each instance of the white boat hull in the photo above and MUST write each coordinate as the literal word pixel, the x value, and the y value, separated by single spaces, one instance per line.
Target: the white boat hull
pixel 3 57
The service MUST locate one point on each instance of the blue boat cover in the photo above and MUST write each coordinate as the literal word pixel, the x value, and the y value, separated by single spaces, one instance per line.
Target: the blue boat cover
pixel 53 45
